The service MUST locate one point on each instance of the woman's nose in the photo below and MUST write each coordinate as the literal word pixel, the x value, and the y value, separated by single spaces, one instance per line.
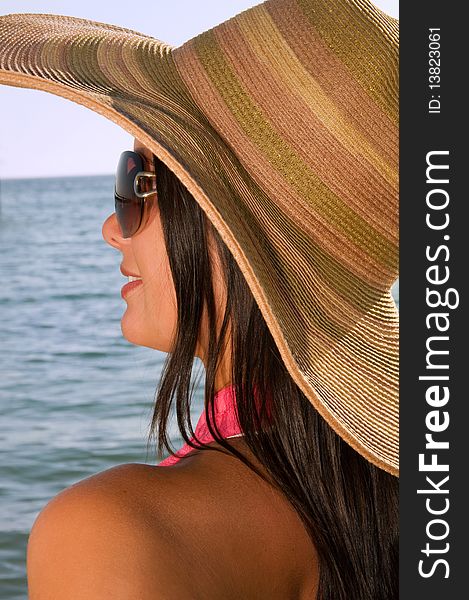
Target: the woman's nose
pixel 112 232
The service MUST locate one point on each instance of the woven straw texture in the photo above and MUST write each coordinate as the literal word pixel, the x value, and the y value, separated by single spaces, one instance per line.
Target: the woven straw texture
pixel 283 124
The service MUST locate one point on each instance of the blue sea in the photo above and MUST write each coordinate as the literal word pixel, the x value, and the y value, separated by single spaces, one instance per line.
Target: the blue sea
pixel 75 397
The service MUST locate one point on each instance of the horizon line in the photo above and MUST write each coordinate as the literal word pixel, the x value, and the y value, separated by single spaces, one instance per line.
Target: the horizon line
pixel 56 176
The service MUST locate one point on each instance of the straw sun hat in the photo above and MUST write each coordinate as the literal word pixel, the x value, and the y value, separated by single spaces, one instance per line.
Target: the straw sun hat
pixel 283 124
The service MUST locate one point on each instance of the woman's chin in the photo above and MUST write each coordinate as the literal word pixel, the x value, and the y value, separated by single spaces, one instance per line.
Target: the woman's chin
pixel 137 333
pixel 131 330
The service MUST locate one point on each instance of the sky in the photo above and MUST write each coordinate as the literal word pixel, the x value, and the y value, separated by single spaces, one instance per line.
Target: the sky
pixel 43 135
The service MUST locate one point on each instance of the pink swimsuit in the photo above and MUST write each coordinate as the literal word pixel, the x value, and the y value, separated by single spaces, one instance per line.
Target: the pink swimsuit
pixel 225 417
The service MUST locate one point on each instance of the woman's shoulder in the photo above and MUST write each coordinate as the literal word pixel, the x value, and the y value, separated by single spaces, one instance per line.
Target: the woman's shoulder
pixel 207 526
pixel 95 539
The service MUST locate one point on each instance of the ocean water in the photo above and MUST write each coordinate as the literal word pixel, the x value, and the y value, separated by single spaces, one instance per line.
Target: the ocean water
pixel 75 397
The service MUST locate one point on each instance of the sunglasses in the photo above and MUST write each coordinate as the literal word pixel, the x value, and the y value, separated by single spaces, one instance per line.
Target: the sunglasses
pixel 132 187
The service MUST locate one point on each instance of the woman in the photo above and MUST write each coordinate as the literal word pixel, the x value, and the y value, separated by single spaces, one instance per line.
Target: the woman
pixel 267 248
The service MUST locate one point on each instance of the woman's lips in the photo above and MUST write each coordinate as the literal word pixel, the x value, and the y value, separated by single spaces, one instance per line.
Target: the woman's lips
pixel 128 287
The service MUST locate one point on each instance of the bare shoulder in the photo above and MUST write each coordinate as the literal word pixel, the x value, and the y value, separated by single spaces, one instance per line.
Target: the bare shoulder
pixel 228 516
pixel 97 540
pixel 206 527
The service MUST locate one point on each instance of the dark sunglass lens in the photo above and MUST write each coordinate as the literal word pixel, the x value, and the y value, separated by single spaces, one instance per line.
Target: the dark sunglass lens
pixel 128 206
pixel 129 215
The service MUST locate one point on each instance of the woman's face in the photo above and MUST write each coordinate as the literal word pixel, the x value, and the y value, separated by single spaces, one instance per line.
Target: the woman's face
pixel 151 315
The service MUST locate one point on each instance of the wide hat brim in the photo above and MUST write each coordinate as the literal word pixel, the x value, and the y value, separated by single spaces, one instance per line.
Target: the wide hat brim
pixel 318 247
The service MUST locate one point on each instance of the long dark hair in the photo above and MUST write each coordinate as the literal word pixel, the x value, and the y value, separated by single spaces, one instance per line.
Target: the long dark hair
pixel 348 506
